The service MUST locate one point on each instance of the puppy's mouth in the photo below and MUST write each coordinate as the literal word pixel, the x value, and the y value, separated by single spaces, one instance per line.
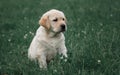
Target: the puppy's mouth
pixel 63 30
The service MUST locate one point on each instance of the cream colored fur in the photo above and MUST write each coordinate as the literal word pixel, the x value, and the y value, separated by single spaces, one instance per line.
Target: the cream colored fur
pixel 49 39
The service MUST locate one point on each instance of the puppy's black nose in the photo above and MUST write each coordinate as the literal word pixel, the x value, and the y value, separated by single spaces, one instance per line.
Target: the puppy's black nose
pixel 63 27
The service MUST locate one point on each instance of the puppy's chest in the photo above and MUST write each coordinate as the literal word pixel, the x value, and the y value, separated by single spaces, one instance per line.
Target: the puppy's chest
pixel 54 42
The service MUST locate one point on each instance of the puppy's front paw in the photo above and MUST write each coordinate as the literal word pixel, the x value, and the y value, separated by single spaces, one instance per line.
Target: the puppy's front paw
pixel 64 58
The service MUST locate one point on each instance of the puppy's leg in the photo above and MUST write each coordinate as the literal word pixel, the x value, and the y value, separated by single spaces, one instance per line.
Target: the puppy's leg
pixel 42 61
pixel 63 50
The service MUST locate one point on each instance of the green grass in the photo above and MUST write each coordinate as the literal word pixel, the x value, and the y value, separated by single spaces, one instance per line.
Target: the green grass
pixel 92 38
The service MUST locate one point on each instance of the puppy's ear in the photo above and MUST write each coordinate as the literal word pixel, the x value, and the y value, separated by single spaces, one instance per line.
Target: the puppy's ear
pixel 44 21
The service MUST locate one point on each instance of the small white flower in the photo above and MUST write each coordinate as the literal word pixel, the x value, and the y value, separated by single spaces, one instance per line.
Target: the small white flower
pixel 31 33
pixel 61 57
pixel 111 15
pixel 78 34
pixel 9 39
pixel 55 70
pixel 27 26
pixel 101 24
pixel 84 32
pixel 85 37
pixel 25 18
pixel 25 36
pixel 92 29
pixel 99 61
pixel 65 60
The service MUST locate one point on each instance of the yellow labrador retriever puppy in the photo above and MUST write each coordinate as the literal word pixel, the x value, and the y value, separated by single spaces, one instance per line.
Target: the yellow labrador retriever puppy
pixel 49 39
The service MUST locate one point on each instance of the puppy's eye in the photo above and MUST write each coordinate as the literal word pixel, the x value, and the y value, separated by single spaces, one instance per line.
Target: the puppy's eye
pixel 55 20
pixel 63 19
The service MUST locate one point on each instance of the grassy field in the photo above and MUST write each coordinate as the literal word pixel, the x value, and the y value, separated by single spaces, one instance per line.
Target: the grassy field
pixel 92 38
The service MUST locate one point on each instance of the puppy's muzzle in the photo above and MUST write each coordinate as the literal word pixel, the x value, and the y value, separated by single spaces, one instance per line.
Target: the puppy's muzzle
pixel 63 27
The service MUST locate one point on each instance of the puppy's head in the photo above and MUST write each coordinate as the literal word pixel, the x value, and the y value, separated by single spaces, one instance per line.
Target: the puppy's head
pixel 54 20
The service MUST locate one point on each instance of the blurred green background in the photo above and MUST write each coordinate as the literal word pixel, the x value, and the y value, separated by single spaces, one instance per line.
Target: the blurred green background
pixel 92 38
